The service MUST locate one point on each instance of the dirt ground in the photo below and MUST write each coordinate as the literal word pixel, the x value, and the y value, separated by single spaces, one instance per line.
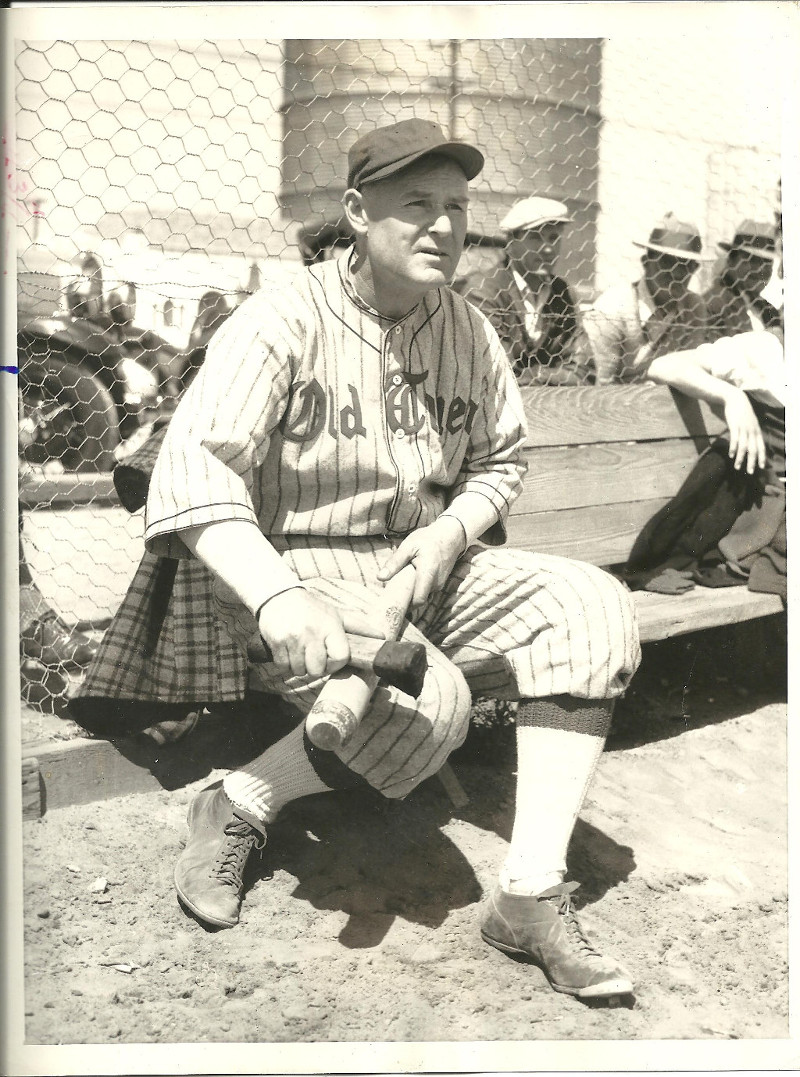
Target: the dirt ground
pixel 360 922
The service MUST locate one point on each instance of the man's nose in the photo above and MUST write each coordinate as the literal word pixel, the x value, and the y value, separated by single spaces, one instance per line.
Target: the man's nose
pixel 441 222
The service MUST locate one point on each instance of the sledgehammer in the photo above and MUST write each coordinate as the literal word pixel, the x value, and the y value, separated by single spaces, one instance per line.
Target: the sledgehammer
pixel 398 662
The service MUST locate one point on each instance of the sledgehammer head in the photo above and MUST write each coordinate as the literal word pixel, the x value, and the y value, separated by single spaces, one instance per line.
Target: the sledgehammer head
pixel 399 663
pixel 403 665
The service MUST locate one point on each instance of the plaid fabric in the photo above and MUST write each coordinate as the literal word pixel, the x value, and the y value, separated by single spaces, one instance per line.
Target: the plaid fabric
pixel 167 645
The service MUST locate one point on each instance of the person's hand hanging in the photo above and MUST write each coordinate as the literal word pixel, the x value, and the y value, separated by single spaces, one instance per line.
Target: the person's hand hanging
pixel 747 441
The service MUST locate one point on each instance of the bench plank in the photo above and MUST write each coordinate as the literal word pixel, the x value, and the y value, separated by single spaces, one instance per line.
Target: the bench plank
pixel 588 414
pixel 662 616
pixel 577 477
pixel 601 534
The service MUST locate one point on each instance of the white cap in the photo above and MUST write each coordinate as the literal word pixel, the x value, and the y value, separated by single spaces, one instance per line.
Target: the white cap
pixel 533 212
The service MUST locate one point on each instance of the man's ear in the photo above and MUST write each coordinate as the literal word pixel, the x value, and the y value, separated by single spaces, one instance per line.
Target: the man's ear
pixel 353 203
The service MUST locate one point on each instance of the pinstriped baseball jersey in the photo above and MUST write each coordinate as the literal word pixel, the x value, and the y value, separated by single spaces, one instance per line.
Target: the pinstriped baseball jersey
pixel 315 415
pixel 336 430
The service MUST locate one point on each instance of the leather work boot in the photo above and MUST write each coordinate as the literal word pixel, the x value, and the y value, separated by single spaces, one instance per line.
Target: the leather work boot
pixel 544 929
pixel 49 641
pixel 208 875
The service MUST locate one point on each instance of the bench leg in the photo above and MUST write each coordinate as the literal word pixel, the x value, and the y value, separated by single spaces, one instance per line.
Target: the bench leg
pixel 452 786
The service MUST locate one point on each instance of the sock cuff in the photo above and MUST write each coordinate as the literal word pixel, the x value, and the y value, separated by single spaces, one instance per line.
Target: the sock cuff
pixel 589 716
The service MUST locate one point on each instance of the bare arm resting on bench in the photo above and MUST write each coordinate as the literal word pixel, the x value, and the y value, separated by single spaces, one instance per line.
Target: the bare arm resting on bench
pixel 688 372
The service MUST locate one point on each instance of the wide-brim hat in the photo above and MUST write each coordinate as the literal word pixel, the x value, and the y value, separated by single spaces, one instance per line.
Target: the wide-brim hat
pixel 753 237
pixel 379 154
pixel 533 212
pixel 678 238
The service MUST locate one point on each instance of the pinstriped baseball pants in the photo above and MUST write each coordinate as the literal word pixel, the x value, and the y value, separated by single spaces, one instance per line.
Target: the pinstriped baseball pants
pixel 508 624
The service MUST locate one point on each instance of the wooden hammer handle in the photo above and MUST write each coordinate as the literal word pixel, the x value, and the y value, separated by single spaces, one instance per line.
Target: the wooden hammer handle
pixel 345 696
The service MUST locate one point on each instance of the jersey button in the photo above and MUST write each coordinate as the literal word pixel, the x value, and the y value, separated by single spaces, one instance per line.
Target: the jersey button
pixel 397 329
pixel 400 434
pixel 396 379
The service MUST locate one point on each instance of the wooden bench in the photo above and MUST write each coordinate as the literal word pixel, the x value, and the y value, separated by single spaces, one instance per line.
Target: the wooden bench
pixel 602 460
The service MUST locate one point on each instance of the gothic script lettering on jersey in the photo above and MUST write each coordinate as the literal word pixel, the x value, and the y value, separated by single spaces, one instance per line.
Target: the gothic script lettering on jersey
pixel 312 409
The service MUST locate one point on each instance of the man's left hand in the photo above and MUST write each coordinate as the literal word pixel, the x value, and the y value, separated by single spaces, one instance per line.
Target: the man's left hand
pixel 433 550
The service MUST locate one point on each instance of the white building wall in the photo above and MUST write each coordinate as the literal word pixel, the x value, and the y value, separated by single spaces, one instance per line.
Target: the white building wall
pixel 691 125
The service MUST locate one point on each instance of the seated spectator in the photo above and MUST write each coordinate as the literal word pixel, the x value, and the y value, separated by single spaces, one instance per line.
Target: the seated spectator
pixel 115 699
pixel 734 303
pixel 727 523
pixel 630 324
pixel 531 308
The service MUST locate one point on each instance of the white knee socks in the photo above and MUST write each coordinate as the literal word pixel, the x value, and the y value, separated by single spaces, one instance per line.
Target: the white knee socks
pixel 283 773
pixel 559 743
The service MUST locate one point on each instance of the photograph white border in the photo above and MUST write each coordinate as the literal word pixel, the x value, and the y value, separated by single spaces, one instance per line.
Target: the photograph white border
pixel 277 21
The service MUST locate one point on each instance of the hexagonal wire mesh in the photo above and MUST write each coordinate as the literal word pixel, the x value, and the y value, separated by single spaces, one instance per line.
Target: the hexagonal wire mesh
pixel 158 183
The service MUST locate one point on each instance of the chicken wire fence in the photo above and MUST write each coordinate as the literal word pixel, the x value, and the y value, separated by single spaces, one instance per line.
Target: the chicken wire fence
pixel 156 184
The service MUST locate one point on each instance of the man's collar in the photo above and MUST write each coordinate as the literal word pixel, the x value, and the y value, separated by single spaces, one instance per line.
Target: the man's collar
pixel 347 277
pixel 523 285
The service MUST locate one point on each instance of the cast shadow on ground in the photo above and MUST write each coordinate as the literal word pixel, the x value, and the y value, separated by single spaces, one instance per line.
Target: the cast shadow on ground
pixel 701 679
pixel 376 860
pixel 380 860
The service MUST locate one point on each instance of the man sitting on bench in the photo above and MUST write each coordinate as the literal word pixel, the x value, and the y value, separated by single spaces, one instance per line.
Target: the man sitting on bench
pixel 364 419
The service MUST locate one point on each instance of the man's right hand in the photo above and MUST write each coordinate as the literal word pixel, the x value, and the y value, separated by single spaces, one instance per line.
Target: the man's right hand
pixel 305 634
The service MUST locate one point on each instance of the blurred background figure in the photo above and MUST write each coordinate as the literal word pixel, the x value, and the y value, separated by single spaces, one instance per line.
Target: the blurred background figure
pixel 734 302
pixel 630 324
pixel 212 310
pixel 773 292
pixel 320 239
pixel 84 294
pixel 532 308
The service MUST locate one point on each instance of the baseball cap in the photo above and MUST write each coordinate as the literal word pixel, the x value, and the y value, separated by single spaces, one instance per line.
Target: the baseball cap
pixel 753 237
pixel 678 238
pixel 387 150
pixel 533 212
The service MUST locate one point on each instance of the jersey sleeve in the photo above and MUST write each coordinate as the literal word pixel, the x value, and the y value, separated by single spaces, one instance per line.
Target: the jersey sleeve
pixel 220 432
pixel 494 464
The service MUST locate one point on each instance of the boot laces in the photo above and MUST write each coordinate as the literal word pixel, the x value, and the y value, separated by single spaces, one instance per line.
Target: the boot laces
pixel 232 857
pixel 561 897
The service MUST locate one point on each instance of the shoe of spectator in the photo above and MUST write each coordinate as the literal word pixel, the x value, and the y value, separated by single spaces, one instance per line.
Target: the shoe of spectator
pixel 172 729
pixel 544 929
pixel 49 641
pixel 208 875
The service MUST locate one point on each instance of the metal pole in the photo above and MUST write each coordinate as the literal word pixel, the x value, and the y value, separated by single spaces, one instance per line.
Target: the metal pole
pixel 453 89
